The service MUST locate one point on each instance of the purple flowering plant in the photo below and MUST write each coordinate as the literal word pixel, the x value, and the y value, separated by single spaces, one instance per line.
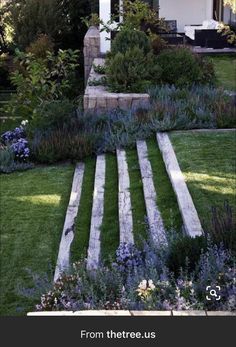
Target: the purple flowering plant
pixel 141 280
pixel 128 257
pixel 17 142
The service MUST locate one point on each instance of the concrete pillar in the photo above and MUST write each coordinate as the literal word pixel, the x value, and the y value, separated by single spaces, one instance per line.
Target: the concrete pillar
pixel 105 16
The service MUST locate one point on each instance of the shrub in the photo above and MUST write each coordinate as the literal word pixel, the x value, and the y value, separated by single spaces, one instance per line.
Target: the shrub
pixel 127 39
pixel 136 13
pixel 30 18
pixel 52 114
pixel 224 112
pixel 181 67
pixel 6 158
pixel 171 108
pixel 41 46
pixel 41 79
pixel 99 69
pixel 59 19
pixel 4 75
pixel 158 44
pixel 208 75
pixel 61 145
pixel 93 20
pixel 189 108
pixel 228 32
pixel 223 226
pixel 132 71
pixel 185 251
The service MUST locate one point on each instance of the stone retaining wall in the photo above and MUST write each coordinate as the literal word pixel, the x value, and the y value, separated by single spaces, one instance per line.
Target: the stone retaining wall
pixel 91 49
pixel 99 99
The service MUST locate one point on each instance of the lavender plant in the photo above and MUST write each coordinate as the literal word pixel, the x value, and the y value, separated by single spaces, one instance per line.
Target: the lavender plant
pixel 141 280
pixel 128 257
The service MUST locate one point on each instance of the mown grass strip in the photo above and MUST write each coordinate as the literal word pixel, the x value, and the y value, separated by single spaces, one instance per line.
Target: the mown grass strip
pixel 33 206
pixel 110 227
pixel 166 199
pixel 80 243
pixel 137 198
pixel 207 160
pixel 225 67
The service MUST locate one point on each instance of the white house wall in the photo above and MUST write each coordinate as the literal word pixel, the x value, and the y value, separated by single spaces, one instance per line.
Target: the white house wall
pixel 186 11
pixel 105 16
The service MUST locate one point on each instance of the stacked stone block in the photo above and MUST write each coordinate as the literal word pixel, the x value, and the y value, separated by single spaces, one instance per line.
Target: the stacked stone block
pixel 91 49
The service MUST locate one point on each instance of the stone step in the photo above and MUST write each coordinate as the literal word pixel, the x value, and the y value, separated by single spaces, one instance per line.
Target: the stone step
pixel 125 210
pixel 188 211
pixel 155 221
pixel 94 249
pixel 63 260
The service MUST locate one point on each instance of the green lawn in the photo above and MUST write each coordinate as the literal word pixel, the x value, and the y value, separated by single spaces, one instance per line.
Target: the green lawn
pixel 225 67
pixel 137 197
pixel 33 206
pixel 110 226
pixel 208 161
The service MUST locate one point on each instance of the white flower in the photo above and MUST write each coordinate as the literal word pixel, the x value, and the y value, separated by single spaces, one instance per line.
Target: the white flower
pixel 143 285
pixel 151 285
pixel 24 122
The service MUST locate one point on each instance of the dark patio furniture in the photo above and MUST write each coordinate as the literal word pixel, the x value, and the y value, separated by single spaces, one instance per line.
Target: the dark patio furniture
pixel 210 38
pixel 171 27
pixel 173 39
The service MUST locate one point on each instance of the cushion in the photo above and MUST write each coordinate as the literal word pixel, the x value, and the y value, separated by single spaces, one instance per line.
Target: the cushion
pixel 205 24
pixel 190 30
pixel 210 24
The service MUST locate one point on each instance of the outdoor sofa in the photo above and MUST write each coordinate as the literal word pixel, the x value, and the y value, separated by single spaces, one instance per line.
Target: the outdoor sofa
pixel 206 35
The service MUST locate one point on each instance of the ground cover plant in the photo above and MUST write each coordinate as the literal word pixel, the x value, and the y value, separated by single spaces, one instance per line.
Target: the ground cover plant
pixel 33 207
pixel 171 108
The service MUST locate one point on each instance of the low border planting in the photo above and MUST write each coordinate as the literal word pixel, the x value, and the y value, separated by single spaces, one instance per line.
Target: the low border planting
pixel 141 280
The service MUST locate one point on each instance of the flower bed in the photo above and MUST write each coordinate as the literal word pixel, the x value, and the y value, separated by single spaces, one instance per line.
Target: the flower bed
pixel 141 280
pixel 98 98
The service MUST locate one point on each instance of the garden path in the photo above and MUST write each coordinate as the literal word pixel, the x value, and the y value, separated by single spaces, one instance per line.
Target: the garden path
pixel 190 217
